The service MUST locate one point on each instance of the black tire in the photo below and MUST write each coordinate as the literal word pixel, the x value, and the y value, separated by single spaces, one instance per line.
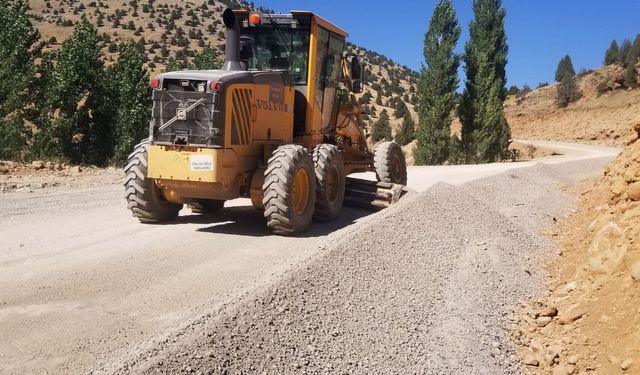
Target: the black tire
pixel 286 211
pixel 143 198
pixel 390 163
pixel 206 206
pixel 330 182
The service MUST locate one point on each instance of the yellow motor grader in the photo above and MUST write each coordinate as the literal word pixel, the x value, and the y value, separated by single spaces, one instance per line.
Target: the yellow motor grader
pixel 279 123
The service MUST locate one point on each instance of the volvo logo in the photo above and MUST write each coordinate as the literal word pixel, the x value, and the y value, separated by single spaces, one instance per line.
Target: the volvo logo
pixel 181 114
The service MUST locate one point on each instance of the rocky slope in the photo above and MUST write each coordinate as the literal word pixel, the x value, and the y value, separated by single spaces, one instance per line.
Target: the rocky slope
pixel 589 320
pixel 602 118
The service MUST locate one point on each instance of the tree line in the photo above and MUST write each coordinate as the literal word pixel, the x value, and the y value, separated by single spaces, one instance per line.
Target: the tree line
pixel 485 133
pixel 67 104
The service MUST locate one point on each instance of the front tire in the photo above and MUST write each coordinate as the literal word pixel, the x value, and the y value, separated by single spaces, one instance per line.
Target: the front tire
pixel 289 190
pixel 330 182
pixel 143 196
pixel 390 163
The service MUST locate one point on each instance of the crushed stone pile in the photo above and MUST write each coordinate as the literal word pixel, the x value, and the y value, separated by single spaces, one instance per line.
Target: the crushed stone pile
pixel 426 287
pixel 590 318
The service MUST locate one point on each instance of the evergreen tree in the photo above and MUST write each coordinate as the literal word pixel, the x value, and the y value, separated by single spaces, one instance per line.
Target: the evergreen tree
pixel 485 131
pixel 612 54
pixel 634 53
pixel 381 129
pixel 513 90
pixel 79 123
pixel 625 50
pixel 567 91
pixel 18 50
pixel 207 59
pixel 400 109
pixel 406 133
pixel 565 67
pixel 631 76
pixel 129 84
pixel 437 86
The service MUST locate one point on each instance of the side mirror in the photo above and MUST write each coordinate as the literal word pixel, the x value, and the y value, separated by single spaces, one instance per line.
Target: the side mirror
pixel 356 68
pixel 356 74
pixel 357 86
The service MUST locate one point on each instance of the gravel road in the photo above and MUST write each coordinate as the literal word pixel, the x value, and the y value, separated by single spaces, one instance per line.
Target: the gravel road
pixel 86 288
pixel 424 288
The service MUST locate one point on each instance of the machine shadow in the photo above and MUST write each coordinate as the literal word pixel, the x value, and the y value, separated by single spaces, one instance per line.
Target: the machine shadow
pixel 247 221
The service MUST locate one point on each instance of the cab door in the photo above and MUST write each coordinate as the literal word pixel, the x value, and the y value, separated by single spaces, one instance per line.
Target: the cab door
pixel 328 59
pixel 332 79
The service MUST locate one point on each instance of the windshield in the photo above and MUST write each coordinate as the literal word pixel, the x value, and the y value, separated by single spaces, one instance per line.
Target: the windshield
pixel 276 48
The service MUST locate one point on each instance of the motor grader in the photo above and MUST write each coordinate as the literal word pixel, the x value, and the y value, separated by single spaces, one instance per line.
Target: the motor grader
pixel 279 123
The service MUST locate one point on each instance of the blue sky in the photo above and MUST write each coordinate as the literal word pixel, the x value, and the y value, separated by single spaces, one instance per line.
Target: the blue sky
pixel 539 32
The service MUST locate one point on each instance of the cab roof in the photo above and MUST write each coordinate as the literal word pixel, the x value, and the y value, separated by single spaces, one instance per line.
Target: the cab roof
pixel 300 14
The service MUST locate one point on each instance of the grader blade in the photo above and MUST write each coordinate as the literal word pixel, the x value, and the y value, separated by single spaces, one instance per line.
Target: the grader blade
pixel 372 195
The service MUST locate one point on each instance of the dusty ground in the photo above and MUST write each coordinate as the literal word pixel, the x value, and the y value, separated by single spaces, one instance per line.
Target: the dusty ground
pixel 38 175
pixel 605 119
pixel 590 319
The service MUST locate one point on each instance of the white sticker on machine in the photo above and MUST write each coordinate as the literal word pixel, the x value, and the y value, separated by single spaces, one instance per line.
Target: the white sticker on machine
pixel 201 163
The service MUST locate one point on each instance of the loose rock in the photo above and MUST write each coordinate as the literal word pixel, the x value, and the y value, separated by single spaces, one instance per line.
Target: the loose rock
pixel 633 191
pixel 626 364
pixel 635 271
pixel 543 321
pixel 37 165
pixel 530 360
pixel 574 313
pixel 549 311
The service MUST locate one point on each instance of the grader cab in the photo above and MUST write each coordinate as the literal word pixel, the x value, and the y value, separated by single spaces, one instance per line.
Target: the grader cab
pixel 279 123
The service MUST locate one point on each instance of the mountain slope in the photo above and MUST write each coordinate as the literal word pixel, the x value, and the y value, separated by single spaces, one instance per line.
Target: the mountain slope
pixel 603 118
pixel 170 30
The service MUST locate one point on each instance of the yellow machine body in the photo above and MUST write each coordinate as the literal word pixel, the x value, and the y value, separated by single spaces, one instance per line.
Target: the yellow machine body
pixel 259 117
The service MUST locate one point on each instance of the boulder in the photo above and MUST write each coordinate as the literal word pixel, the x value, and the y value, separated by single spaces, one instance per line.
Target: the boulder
pixel 37 165
pixel 633 191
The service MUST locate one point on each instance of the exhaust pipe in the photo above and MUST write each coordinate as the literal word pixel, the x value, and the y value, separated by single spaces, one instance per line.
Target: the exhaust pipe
pixel 232 48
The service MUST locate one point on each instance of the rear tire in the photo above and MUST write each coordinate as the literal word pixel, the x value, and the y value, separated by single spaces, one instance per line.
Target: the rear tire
pixel 206 206
pixel 330 182
pixel 289 190
pixel 143 196
pixel 390 163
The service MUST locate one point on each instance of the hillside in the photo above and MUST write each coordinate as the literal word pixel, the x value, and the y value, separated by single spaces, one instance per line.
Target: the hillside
pixel 605 118
pixel 588 320
pixel 169 30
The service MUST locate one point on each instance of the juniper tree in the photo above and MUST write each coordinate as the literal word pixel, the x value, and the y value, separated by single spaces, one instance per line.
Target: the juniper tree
pixel 625 50
pixel 406 133
pixel 18 49
pixel 631 76
pixel 565 68
pixel 612 54
pixel 485 131
pixel 634 53
pixel 129 87
pixel 207 59
pixel 437 85
pixel 381 129
pixel 567 91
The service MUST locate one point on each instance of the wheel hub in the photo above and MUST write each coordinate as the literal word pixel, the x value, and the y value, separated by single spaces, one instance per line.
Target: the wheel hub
pixel 300 191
